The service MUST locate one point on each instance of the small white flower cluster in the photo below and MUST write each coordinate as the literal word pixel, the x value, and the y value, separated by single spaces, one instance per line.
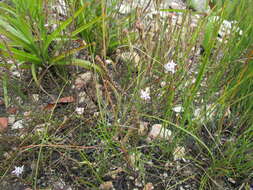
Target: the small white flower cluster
pixel 170 67
pixel 145 94
pixel 18 170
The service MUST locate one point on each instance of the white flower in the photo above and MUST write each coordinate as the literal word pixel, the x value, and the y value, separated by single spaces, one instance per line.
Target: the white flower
pixel 178 109
pixel 170 67
pixel 145 94
pixel 18 170
pixel 227 27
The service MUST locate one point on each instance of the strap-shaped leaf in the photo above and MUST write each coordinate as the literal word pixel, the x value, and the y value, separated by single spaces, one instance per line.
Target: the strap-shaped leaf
pixel 11 31
pixel 69 52
pixel 6 8
pixel 16 37
pixel 62 26
pixel 19 54
pixel 34 74
pixel 87 65
pixel 85 26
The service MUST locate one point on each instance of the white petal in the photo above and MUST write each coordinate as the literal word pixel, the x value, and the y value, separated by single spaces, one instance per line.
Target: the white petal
pixel 178 109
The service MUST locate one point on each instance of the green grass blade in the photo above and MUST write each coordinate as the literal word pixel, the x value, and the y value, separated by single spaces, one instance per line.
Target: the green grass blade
pixel 185 131
pixel 34 74
pixel 61 27
pixel 19 54
pixel 68 53
pixel 86 26
pixel 87 65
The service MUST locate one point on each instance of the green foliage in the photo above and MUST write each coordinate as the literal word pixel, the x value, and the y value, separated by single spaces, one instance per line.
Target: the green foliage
pixel 109 30
pixel 30 41
pixel 237 71
pixel 214 88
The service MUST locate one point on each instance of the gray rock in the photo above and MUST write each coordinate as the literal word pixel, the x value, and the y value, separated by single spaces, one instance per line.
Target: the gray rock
pixel 199 5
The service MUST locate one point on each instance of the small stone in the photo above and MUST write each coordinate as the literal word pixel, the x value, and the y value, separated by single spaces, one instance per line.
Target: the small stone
pixel 86 76
pixel 163 84
pixel 106 185
pixel 82 97
pixel 175 5
pixel 179 153
pixel 79 110
pixel 18 125
pixel 16 74
pixel 148 186
pixel 61 7
pixel 7 155
pixel 124 9
pixel 138 182
pixel 108 61
pixel 82 80
pixel 3 124
pixel 142 128
pixel 96 114
pixel 35 97
pixel 130 56
pixel 12 119
pixel 159 132
pixel 231 180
